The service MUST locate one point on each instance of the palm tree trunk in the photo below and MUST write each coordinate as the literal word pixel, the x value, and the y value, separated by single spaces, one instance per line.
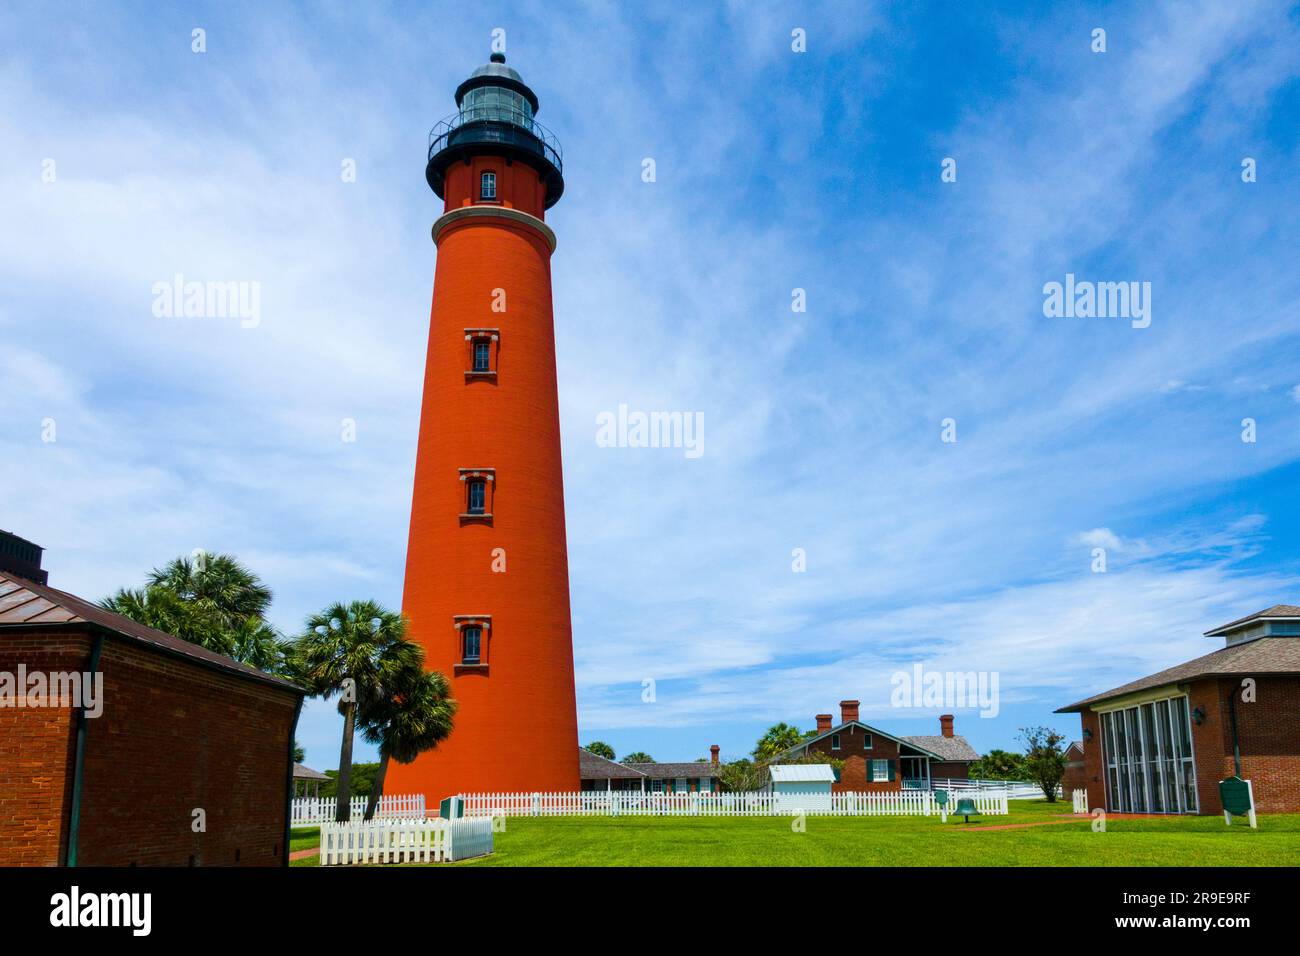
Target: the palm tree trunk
pixel 343 809
pixel 377 788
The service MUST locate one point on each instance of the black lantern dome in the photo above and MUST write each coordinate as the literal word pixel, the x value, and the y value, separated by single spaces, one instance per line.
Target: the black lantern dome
pixel 496 110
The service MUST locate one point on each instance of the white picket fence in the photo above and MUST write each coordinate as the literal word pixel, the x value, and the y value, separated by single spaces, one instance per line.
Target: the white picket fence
pixel 309 810
pixel 750 804
pixel 404 841
pixel 1080 801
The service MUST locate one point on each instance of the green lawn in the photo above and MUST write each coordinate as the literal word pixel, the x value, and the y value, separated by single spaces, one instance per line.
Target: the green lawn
pixel 302 838
pixel 893 841
pixel 882 841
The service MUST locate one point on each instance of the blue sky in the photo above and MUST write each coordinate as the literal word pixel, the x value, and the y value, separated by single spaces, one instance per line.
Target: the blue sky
pixel 775 170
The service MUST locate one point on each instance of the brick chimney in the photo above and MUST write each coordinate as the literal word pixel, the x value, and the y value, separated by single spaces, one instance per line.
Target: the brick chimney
pixel 945 725
pixel 848 710
pixel 713 754
pixel 823 723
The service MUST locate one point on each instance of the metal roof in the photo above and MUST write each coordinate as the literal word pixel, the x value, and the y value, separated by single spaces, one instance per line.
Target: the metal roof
pixel 801 773
pixel 25 604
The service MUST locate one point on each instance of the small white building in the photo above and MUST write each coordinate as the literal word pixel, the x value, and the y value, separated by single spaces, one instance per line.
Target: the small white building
pixel 801 786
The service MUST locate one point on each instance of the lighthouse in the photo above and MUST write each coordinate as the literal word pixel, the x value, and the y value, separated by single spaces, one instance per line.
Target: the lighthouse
pixel 487 572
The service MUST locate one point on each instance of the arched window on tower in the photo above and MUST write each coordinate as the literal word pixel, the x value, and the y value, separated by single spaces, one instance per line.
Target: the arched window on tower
pixel 488 185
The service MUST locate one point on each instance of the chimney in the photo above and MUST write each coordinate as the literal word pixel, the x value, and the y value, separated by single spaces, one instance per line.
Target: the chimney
pixel 713 754
pixel 945 725
pixel 19 556
pixel 848 710
pixel 823 723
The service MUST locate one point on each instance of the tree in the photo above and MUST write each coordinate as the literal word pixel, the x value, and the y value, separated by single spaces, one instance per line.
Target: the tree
pixel 638 756
pixel 742 776
pixel 407 715
pixel 600 749
pixel 211 600
pixel 351 651
pixel 299 755
pixel 1044 758
pixel 999 765
pixel 779 737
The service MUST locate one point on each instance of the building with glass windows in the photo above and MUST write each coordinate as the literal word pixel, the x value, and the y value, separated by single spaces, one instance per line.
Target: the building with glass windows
pixel 1161 744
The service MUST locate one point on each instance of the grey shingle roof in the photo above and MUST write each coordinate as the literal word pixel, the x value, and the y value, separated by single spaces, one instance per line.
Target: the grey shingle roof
pixel 594 767
pixel 301 772
pixel 1267 655
pixel 665 770
pixel 949 748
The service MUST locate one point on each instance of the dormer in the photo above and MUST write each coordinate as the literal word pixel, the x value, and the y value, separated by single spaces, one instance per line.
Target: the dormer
pixel 1280 620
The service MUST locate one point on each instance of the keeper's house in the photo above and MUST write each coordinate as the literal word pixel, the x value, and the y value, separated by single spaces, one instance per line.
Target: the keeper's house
pixel 876 761
pixel 179 757
pixel 1161 744
pixel 601 774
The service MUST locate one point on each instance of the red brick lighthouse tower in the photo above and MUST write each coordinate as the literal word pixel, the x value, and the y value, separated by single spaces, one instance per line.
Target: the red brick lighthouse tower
pixel 487 571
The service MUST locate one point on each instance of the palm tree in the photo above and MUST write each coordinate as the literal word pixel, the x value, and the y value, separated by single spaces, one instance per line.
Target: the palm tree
pixel 408 715
pixel 600 749
pixel 778 738
pixel 639 756
pixel 211 600
pixel 352 651
pixel 216 582
pixel 163 610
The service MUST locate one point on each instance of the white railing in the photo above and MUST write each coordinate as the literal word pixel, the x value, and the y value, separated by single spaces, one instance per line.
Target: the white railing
pixel 1080 801
pixel 757 803
pixel 404 841
pixel 308 810
pixel 1014 789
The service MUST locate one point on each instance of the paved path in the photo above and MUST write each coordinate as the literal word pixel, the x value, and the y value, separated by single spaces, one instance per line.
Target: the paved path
pixel 303 854
pixel 1071 818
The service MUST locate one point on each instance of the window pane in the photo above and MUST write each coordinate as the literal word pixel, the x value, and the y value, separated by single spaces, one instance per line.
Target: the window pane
pixel 482 355
pixel 471 637
pixel 1136 765
pixel 1121 761
pixel 477 497
pixel 1154 774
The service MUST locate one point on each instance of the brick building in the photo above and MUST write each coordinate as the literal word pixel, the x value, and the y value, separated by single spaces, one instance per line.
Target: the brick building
pixel 1076 774
pixel 598 773
pixel 112 775
pixel 1162 743
pixel 877 761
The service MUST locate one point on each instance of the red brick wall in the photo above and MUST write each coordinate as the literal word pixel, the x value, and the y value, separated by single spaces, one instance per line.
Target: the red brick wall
pixel 1269 733
pixel 855 756
pixel 1094 771
pixel 954 770
pixel 175 737
pixel 36 753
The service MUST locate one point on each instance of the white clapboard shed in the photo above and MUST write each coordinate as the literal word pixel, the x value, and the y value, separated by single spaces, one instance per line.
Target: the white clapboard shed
pixel 802 786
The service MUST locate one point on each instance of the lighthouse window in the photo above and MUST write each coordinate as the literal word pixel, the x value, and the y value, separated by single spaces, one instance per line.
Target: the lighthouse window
pixel 482 355
pixel 488 186
pixel 477 496
pixel 471 643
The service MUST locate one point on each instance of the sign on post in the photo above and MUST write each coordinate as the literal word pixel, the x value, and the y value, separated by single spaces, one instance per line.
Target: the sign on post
pixel 1238 799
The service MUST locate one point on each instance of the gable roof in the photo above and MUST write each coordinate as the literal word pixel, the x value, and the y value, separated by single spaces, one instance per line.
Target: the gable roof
pixel 1268 655
pixel 1277 610
pixel 699 768
pixel 954 748
pixel 803 745
pixel 25 604
pixel 303 772
pixel 595 767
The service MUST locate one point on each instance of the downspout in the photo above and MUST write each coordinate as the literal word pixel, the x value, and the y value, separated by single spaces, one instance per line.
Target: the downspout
pixel 288 782
pixel 79 761
pixel 1236 744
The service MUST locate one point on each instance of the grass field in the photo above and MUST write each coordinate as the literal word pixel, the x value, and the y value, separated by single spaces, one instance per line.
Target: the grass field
pixel 884 841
